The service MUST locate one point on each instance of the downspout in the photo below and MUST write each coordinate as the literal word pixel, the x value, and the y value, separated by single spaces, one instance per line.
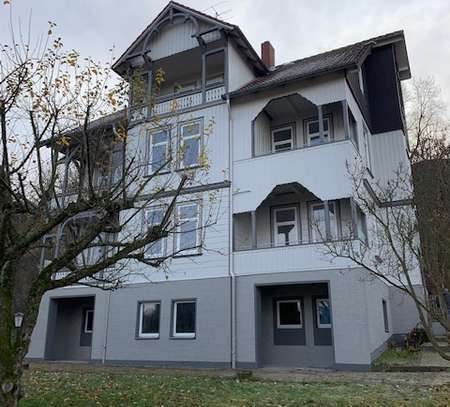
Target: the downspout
pixel 105 342
pixel 230 239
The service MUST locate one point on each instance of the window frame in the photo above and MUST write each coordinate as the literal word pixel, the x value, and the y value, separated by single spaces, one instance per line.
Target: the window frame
pixel 273 130
pixel 196 250
pixel 183 335
pixel 326 117
pixel 88 311
pixel 200 135
pixel 150 145
pixel 337 209
pixel 274 223
pixel 319 324
pixel 140 334
pixel 146 225
pixel 300 311
pixel 385 315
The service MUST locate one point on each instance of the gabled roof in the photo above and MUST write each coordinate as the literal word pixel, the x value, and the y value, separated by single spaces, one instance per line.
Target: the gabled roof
pixel 233 30
pixel 327 62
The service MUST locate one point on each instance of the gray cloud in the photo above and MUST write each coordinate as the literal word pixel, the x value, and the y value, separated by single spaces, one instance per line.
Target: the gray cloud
pixel 297 28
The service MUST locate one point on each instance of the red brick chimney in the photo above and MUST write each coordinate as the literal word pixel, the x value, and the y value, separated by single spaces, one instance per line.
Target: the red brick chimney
pixel 268 54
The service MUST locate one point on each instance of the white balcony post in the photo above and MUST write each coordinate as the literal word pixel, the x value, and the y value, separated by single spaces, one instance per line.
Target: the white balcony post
pixel 320 118
pixel 326 208
pixel 253 222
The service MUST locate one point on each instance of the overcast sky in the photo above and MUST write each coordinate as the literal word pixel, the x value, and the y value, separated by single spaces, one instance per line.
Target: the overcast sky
pixel 296 28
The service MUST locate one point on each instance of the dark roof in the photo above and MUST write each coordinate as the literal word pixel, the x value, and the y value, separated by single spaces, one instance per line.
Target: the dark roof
pixel 330 61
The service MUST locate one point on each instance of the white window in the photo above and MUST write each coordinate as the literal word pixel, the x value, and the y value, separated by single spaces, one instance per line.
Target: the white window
pixel 149 314
pixel 323 313
pixel 367 147
pixel 353 129
pixel 282 139
pixel 361 224
pixel 289 314
pixel 154 217
pixel 158 151
pixel 89 321
pixel 184 319
pixel 312 131
pixel 48 251
pixel 318 221
pixel 285 226
pixel 188 228
pixel 190 144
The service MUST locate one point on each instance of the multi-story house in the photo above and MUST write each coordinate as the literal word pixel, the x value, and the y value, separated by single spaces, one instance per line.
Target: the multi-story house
pixel 260 291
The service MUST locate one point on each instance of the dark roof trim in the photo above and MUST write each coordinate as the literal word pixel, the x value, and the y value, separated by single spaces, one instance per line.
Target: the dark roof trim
pixel 353 55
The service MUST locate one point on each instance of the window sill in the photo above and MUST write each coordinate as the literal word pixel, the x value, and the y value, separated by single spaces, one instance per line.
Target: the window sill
pixel 180 337
pixel 181 255
pixel 146 338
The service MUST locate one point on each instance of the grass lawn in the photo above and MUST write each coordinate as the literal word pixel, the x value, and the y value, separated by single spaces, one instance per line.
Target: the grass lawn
pixel 398 357
pixel 52 388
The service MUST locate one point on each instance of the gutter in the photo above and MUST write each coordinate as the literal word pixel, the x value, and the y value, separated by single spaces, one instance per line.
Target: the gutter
pixel 230 240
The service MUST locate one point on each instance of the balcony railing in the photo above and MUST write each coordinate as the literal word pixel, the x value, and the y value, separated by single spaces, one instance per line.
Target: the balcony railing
pixel 173 103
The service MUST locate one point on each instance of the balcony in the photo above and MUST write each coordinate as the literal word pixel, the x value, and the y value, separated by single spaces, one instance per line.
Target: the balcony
pixel 293 140
pixel 291 222
pixel 177 104
pixel 178 83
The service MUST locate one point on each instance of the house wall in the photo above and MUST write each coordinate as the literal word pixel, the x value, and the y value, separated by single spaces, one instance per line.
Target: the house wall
pixel 239 73
pixel 245 110
pixel 349 307
pixel 309 353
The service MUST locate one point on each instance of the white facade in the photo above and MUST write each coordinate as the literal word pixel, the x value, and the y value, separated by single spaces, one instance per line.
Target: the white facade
pixel 250 179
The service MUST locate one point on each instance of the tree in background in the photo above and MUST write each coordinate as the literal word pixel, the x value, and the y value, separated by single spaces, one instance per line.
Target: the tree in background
pixel 72 201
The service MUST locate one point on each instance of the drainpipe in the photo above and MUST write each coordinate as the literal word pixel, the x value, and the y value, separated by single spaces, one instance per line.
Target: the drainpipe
pixel 230 241
pixel 105 342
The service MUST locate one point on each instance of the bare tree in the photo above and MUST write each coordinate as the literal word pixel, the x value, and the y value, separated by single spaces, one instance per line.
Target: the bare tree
pixel 397 214
pixel 72 201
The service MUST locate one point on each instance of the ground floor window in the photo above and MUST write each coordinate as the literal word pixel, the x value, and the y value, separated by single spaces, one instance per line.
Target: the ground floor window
pixel 385 316
pixel 323 313
pixel 184 314
pixel 149 313
pixel 289 314
pixel 88 321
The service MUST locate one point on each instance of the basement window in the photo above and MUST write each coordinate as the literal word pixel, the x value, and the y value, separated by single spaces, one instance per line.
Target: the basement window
pixel 289 314
pixel 323 313
pixel 149 314
pixel 88 321
pixel 184 314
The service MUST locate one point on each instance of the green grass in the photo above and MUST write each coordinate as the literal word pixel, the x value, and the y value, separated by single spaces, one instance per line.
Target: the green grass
pixel 398 357
pixel 135 389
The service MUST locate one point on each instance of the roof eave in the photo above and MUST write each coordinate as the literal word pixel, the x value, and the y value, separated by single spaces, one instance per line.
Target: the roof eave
pixel 236 94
